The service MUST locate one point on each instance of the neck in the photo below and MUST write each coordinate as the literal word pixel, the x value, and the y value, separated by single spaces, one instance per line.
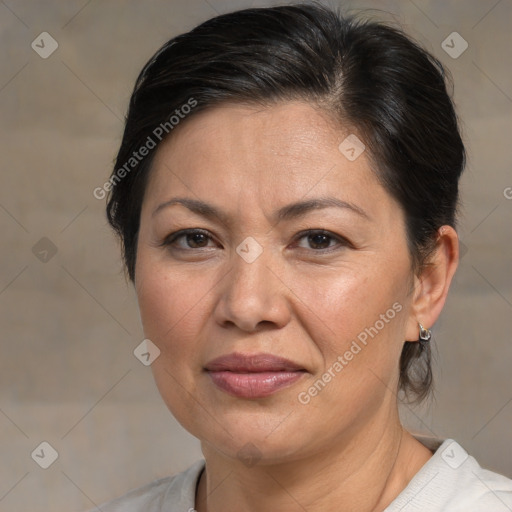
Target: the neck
pixel 365 474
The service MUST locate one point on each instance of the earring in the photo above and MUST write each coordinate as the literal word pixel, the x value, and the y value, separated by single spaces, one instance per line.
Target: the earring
pixel 425 334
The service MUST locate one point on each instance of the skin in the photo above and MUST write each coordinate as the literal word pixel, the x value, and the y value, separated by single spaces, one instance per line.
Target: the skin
pixel 304 299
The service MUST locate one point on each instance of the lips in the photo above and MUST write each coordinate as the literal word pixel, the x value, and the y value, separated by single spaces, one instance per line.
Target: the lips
pixel 241 363
pixel 253 376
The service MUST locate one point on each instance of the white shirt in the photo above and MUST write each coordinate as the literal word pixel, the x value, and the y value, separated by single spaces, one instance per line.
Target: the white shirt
pixel 450 481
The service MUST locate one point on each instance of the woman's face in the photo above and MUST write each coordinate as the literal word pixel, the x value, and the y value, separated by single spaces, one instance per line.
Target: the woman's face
pixel 252 282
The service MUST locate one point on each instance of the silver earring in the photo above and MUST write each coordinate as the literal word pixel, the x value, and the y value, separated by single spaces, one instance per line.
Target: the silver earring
pixel 425 334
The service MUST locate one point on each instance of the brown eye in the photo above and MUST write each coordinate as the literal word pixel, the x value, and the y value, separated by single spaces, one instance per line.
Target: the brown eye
pixel 193 239
pixel 320 240
pixel 196 239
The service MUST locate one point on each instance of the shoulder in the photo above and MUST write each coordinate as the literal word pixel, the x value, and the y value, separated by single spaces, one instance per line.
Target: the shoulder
pixel 453 480
pixel 160 495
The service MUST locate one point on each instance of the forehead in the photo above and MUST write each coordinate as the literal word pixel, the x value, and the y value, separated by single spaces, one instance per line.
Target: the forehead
pixel 294 130
pixel 266 155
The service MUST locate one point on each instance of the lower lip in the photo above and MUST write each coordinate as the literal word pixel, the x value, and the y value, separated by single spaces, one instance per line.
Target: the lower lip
pixel 254 385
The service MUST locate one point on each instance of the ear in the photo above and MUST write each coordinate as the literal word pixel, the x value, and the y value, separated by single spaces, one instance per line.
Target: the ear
pixel 432 285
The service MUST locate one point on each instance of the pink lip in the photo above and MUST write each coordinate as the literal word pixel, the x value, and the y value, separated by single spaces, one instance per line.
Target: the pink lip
pixel 253 376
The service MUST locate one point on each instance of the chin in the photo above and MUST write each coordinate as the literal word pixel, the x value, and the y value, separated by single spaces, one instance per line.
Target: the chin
pixel 252 438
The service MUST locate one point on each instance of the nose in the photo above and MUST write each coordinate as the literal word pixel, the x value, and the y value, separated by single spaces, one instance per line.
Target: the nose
pixel 252 296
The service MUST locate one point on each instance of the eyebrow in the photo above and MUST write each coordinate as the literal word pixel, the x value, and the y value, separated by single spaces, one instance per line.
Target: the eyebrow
pixel 287 212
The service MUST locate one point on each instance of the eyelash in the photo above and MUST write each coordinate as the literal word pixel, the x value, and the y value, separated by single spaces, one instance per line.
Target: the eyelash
pixel 173 237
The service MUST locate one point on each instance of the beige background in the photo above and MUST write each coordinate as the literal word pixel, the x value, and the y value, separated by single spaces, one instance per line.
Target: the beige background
pixel 68 375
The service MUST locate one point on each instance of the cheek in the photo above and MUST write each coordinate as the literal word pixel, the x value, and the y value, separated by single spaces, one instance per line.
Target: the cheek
pixel 172 309
pixel 351 303
pixel 169 301
pixel 358 328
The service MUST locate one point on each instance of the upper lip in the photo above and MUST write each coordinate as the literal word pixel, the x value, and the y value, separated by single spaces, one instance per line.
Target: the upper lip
pixel 248 363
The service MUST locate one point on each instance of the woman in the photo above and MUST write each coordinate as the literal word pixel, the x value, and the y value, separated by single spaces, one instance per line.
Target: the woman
pixel 286 194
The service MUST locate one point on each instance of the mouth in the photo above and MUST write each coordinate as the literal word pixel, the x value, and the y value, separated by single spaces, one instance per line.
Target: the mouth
pixel 253 376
